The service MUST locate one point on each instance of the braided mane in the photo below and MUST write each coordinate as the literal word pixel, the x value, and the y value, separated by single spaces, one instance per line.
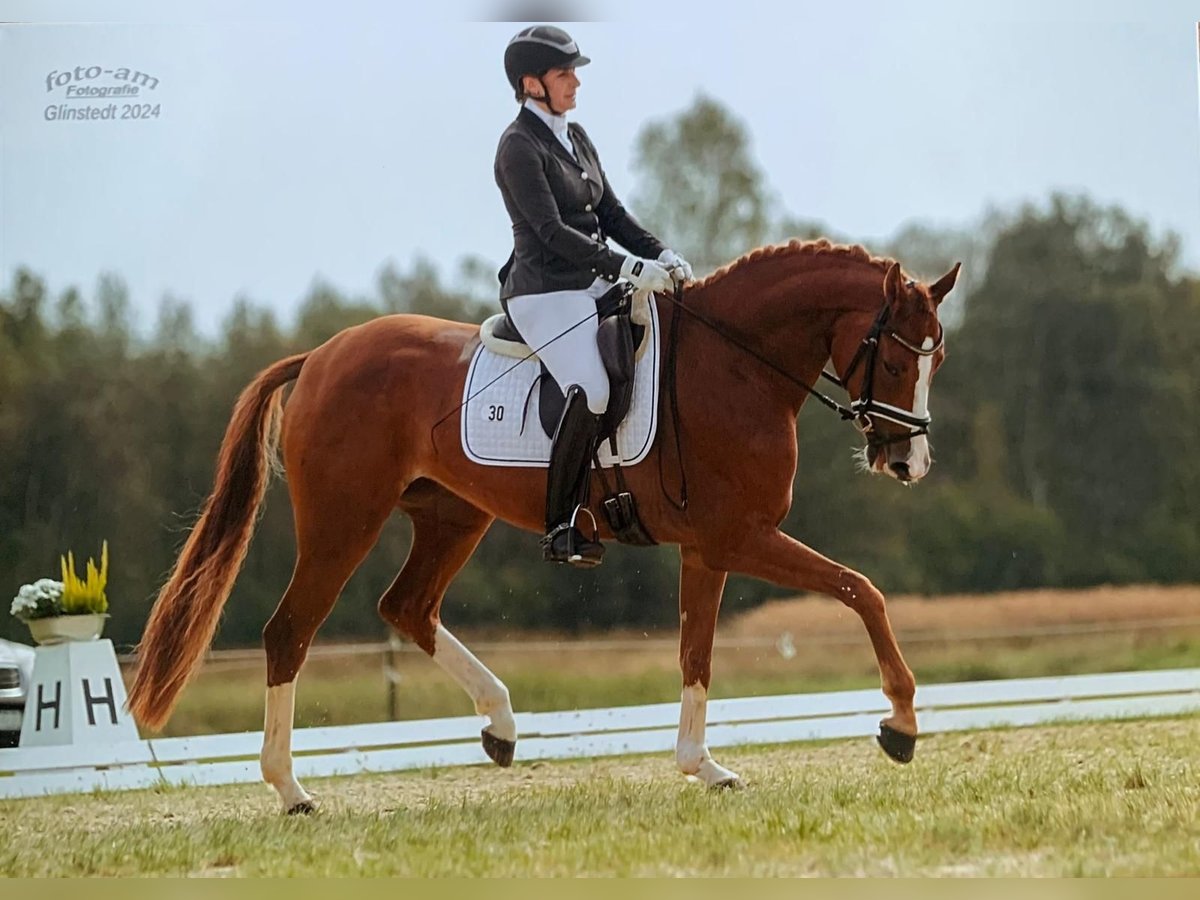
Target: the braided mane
pixel 797 247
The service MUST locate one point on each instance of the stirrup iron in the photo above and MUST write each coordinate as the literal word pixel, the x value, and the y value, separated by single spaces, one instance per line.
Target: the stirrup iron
pixel 573 552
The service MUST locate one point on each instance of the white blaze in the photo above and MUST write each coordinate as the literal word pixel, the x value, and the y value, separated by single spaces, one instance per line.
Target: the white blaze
pixel 918 452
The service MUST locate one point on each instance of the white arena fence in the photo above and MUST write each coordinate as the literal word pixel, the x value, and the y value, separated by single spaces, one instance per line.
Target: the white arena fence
pixel 395 746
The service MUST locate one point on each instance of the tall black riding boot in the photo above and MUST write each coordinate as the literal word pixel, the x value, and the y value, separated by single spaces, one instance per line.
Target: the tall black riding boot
pixel 567 484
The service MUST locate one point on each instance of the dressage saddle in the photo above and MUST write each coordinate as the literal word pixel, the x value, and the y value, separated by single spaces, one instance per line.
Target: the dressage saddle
pixel 618 339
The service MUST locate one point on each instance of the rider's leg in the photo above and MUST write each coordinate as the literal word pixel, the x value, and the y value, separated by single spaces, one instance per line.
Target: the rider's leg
pixel 561 326
pixel 567 483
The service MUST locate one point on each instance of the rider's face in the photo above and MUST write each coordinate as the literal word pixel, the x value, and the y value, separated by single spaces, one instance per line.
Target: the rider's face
pixel 561 84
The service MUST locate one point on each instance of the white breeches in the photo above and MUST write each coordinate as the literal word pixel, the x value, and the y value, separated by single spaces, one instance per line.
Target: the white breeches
pixel 574 357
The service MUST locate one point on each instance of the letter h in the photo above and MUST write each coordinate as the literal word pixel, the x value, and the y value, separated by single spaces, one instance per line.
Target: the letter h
pixel 105 699
pixel 43 704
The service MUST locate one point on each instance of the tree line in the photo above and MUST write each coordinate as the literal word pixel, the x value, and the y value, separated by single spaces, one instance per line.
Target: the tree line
pixel 1066 419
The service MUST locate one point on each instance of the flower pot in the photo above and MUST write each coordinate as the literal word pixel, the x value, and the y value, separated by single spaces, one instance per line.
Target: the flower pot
pixel 60 629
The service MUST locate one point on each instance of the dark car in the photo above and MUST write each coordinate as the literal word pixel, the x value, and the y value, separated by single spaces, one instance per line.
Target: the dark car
pixel 16 662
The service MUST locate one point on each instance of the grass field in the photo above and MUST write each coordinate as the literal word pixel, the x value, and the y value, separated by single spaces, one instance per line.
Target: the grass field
pixel 1094 799
pixel 945 639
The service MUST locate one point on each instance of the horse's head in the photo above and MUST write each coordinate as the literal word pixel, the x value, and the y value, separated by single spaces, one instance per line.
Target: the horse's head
pixel 887 365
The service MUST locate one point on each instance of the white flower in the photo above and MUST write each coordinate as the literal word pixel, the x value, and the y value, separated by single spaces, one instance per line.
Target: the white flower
pixel 38 600
pixel 48 588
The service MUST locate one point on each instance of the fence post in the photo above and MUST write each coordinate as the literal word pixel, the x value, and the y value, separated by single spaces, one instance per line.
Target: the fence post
pixel 392 675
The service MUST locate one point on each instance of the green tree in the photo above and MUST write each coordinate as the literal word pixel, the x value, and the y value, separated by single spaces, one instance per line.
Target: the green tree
pixel 1071 336
pixel 699 186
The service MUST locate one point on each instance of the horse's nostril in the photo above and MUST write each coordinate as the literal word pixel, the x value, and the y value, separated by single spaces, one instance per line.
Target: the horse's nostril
pixel 900 470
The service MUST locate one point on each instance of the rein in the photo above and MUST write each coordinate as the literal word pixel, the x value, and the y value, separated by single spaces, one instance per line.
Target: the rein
pixel 859 411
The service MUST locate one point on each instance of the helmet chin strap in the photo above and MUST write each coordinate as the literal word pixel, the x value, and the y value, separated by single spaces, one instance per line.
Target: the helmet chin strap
pixel 546 98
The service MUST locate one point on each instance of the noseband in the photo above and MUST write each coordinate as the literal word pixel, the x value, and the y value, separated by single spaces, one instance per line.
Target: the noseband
pixel 866 406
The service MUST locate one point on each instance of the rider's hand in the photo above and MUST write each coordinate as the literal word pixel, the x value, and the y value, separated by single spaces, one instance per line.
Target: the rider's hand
pixel 646 274
pixel 680 268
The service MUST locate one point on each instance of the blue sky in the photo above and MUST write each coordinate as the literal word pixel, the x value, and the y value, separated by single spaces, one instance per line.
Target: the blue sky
pixel 290 147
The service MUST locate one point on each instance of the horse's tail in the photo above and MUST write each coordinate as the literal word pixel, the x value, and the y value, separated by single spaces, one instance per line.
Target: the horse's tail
pixel 185 615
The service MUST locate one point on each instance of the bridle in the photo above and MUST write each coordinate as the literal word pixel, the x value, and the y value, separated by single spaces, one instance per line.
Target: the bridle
pixel 866 406
pixel 860 411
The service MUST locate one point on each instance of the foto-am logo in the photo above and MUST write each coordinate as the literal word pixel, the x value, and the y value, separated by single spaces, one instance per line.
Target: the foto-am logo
pixel 128 82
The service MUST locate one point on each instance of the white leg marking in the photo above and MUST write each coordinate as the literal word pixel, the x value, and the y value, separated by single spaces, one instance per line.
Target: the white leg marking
pixel 276 759
pixel 918 452
pixel 691 755
pixel 488 691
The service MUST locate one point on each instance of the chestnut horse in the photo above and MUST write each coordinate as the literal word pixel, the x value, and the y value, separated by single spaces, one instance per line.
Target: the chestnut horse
pixel 359 440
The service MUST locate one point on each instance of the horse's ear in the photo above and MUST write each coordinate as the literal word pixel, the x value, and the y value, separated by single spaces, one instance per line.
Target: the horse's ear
pixel 940 288
pixel 891 285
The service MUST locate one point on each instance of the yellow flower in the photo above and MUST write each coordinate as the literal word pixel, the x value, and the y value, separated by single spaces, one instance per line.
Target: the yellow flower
pixel 79 596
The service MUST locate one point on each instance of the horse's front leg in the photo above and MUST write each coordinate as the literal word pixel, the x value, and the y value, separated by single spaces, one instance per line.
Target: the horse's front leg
pixel 774 556
pixel 700 591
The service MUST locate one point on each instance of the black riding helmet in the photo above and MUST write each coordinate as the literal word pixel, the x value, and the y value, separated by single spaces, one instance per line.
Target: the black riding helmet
pixel 538 49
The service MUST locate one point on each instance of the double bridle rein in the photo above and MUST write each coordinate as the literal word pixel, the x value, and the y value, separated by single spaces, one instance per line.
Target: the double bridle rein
pixel 861 411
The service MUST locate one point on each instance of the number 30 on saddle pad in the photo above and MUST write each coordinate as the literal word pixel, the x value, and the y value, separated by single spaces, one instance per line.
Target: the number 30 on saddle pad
pixel 501 425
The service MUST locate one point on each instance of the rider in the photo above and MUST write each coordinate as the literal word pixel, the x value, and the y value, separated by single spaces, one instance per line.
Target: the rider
pixel 562 209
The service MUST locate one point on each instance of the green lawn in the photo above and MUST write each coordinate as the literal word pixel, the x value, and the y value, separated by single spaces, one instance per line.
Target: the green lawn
pixel 1094 799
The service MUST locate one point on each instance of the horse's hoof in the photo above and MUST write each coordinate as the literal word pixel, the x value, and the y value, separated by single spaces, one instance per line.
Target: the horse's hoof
pixel 732 783
pixel 499 750
pixel 303 808
pixel 896 744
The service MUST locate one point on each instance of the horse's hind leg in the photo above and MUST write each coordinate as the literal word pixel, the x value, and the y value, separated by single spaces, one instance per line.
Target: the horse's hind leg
pixel 332 539
pixel 446 531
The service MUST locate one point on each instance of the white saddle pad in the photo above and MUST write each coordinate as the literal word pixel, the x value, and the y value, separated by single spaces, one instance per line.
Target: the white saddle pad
pixel 493 412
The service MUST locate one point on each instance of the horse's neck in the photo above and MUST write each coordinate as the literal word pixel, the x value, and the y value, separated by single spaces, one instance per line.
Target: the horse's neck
pixel 787 309
pixel 786 287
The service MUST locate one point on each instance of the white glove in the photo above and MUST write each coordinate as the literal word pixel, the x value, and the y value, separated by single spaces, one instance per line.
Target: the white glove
pixel 646 274
pixel 680 267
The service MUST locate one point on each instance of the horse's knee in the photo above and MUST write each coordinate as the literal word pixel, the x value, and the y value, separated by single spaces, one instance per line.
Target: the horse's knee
pixel 856 591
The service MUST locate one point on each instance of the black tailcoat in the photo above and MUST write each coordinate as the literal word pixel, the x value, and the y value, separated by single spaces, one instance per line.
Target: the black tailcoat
pixel 561 209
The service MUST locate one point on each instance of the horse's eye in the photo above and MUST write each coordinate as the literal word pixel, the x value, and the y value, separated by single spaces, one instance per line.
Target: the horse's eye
pixel 891 370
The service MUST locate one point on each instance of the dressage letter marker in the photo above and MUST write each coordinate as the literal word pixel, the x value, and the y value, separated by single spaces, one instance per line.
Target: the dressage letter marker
pixel 44 705
pixel 76 697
